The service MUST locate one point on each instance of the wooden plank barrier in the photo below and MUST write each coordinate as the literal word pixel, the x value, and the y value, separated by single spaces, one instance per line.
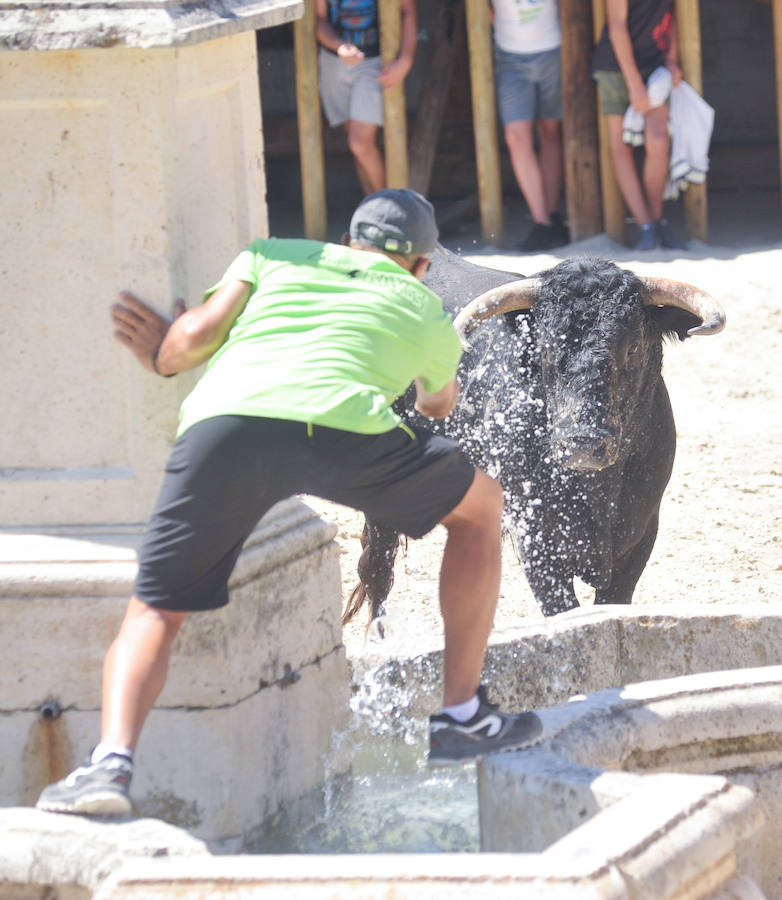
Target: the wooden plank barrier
pixel 579 122
pixel 487 155
pixel 394 111
pixel 313 174
pixel 688 25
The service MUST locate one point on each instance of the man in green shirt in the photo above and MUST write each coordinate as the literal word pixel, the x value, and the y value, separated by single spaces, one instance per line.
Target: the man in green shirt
pixel 307 345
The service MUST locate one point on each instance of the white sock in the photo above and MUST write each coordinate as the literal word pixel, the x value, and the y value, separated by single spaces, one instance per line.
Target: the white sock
pixel 104 750
pixel 463 712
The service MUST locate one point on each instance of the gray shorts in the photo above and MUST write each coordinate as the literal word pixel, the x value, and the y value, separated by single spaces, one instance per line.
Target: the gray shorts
pixel 529 85
pixel 226 472
pixel 350 92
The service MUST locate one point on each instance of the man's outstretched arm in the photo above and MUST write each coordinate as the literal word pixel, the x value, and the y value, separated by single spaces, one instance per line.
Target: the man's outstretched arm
pixel 167 347
pixel 439 405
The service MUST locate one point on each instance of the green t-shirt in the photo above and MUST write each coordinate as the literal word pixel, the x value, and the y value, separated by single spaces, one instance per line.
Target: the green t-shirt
pixel 330 335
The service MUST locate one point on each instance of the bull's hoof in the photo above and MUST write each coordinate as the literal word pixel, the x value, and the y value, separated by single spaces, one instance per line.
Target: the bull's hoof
pixel 376 630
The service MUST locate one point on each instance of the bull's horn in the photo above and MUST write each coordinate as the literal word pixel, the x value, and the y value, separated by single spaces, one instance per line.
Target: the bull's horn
pixel 510 297
pixel 664 292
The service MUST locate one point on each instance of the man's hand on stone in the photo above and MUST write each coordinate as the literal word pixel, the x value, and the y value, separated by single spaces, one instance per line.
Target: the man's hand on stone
pixel 140 328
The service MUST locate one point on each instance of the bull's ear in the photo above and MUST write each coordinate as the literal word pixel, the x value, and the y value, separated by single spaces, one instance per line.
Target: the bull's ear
pixel 673 322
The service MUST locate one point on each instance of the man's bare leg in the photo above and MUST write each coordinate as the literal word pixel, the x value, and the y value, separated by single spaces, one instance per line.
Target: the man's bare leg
pixel 656 159
pixel 470 584
pixel 135 670
pixel 362 140
pixel 626 173
pixel 526 168
pixel 133 675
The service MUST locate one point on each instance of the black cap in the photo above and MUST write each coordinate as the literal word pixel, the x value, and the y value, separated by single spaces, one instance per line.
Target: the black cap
pixel 396 220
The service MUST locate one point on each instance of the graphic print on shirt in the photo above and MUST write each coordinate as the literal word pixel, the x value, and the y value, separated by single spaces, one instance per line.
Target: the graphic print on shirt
pixel 662 33
pixel 356 22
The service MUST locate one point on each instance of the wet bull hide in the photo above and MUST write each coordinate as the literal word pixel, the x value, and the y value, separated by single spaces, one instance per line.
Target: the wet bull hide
pixel 563 401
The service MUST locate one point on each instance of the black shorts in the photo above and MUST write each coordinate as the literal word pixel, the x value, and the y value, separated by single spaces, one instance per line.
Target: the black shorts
pixel 226 472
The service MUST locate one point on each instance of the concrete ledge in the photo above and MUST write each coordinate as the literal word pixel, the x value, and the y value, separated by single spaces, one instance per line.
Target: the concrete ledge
pixel 60 853
pixel 82 25
pixel 257 687
pixel 588 768
pixel 653 860
pixel 679 843
pixel 586 650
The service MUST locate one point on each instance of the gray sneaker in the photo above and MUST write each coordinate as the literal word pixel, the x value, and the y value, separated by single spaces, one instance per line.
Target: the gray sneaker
pixel 488 731
pixel 92 790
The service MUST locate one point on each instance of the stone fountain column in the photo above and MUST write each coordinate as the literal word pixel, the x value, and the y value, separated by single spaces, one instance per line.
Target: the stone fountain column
pixel 133 158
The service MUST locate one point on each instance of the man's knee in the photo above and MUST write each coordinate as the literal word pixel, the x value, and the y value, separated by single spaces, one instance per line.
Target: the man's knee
pixel 656 131
pixel 141 614
pixel 549 131
pixel 481 507
pixel 518 135
pixel 657 142
pixel 362 139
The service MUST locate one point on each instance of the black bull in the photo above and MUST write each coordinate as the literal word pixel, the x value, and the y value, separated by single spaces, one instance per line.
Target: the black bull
pixel 563 401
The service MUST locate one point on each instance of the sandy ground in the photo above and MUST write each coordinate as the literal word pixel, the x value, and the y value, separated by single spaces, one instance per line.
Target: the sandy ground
pixel 721 517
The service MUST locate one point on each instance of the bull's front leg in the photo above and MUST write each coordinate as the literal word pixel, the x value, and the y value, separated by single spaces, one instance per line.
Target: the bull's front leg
pixel 549 576
pixel 375 572
pixel 627 568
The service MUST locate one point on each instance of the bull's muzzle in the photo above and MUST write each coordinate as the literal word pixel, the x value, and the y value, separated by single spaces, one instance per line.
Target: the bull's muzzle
pixel 586 451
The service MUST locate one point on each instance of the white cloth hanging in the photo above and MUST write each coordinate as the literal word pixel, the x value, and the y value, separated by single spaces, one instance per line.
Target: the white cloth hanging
pixel 658 88
pixel 690 124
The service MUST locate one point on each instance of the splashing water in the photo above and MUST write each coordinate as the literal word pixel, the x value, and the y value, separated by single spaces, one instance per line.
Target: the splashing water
pixel 389 802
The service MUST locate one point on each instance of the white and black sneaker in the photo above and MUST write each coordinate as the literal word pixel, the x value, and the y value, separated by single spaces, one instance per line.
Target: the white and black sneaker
pixel 488 731
pixel 94 789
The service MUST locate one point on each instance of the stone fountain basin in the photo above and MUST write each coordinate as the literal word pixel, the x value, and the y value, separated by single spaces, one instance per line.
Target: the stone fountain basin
pixel 666 787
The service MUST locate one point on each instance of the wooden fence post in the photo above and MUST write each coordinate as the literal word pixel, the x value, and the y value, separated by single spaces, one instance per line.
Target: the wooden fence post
pixel 487 155
pixel 688 26
pixel 313 175
pixel 613 202
pixel 394 111
pixel 579 122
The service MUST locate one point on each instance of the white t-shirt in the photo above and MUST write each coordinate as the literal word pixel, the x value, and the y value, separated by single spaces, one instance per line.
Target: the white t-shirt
pixel 526 26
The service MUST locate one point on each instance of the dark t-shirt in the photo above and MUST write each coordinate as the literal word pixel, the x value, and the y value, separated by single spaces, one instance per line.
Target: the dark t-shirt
pixel 355 21
pixel 650 23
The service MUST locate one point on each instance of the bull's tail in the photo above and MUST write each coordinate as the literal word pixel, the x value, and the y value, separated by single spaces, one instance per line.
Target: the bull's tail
pixel 355 602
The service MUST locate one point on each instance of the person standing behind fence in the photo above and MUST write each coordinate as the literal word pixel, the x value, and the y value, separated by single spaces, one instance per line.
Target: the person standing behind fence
pixel 527 43
pixel 638 37
pixel 352 76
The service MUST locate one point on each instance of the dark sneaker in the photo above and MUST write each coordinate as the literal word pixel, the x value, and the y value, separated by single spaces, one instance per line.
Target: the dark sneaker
pixel 92 790
pixel 667 237
pixel 488 731
pixel 647 239
pixel 560 229
pixel 541 237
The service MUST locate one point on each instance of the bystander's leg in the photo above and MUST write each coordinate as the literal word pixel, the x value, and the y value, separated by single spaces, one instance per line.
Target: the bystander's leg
pixel 362 140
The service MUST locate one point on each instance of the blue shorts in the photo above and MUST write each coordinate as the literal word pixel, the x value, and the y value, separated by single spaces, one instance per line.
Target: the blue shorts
pixel 529 85
pixel 226 472
pixel 350 92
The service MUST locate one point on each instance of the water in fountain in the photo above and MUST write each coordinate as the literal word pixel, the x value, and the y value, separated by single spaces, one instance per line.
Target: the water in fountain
pixel 390 802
